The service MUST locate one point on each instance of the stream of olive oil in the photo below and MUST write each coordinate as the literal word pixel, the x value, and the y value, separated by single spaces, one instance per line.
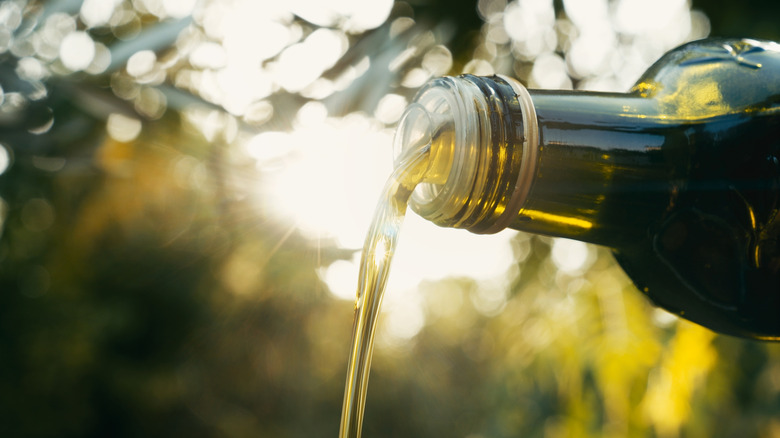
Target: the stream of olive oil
pixel 378 251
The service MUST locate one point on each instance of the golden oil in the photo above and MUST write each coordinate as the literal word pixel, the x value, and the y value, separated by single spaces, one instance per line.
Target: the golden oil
pixel 375 263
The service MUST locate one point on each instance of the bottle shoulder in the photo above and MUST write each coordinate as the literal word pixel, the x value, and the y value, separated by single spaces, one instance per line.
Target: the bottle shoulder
pixel 714 77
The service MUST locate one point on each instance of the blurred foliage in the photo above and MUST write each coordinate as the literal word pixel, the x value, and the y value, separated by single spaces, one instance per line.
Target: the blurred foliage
pixel 756 18
pixel 144 293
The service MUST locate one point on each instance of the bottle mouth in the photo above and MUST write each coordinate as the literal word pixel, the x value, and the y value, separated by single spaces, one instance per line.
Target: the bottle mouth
pixel 441 115
pixel 456 117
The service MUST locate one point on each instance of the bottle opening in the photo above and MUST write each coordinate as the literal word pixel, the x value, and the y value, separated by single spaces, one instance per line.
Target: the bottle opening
pixel 442 115
pixel 460 187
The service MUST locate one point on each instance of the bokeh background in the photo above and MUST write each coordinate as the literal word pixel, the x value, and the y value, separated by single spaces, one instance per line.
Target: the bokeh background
pixel 185 186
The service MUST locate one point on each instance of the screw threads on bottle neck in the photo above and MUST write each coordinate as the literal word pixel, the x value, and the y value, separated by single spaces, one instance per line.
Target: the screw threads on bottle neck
pixel 529 158
pixel 484 140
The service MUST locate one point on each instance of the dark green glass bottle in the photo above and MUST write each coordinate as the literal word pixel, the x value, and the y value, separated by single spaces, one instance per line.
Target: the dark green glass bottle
pixel 680 176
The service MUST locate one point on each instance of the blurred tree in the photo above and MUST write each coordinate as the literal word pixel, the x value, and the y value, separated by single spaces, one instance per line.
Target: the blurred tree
pixel 752 18
pixel 145 292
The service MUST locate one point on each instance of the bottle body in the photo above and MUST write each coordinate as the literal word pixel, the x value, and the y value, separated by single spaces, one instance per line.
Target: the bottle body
pixel 680 176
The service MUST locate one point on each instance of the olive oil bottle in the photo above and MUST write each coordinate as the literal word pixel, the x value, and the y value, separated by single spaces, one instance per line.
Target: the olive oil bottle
pixel 680 176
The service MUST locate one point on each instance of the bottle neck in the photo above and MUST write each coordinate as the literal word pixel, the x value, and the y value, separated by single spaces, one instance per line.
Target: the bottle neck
pixel 560 163
pixel 588 158
pixel 605 166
